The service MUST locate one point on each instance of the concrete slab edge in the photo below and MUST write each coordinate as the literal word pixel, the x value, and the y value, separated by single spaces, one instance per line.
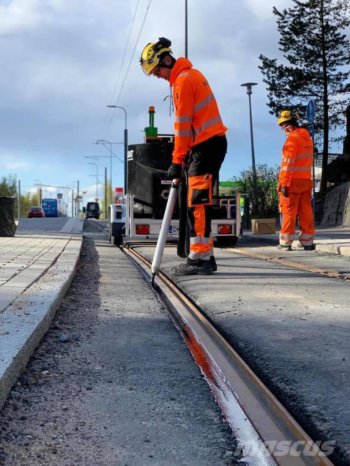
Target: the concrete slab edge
pixel 26 321
pixel 335 248
pixel 344 250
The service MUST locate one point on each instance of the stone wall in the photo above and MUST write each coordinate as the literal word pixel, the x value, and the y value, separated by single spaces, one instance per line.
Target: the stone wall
pixel 337 206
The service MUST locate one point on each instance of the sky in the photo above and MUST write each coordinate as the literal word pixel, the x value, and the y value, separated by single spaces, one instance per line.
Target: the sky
pixel 64 61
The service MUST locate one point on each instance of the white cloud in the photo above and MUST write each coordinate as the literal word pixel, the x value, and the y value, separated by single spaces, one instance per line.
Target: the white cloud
pixel 13 166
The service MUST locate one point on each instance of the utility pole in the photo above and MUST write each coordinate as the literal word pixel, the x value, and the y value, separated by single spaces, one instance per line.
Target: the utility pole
pixel 73 203
pixel 78 200
pixel 125 145
pixel 106 190
pixel 19 200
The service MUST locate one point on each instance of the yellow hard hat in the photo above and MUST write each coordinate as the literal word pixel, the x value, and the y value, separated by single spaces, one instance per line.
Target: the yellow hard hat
pixel 150 55
pixel 287 115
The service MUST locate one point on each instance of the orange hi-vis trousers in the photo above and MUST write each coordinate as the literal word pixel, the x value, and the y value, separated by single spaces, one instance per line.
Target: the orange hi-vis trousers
pixel 199 200
pixel 297 204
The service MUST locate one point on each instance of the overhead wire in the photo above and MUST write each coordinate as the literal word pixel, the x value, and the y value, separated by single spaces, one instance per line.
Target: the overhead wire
pixel 131 58
pixel 133 52
pixel 125 49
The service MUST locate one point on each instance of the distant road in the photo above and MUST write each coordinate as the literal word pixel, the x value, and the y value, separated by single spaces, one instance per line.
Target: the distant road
pixel 41 225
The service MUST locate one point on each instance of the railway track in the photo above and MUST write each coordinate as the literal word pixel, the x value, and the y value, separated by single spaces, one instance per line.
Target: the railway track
pixel 271 436
pixel 268 433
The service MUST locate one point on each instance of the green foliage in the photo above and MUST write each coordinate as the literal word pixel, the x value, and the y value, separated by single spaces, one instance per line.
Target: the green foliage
pixel 26 202
pixel 8 186
pixel 262 195
pixel 316 54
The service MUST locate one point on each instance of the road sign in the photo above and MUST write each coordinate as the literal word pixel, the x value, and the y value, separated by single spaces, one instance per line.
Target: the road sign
pixel 310 111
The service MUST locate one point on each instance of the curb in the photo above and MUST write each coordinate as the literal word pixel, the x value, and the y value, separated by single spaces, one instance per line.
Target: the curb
pixel 24 323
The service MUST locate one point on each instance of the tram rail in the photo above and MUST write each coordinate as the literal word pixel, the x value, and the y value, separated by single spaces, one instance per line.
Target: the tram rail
pixel 291 263
pixel 230 378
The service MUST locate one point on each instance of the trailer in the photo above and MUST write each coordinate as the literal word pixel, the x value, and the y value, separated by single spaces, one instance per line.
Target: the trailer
pixel 125 227
pixel 137 214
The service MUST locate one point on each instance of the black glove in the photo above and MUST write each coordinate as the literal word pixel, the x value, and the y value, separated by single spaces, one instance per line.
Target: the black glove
pixel 284 191
pixel 175 171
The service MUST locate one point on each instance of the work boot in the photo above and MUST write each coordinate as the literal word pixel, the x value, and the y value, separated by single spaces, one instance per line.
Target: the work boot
pixel 191 267
pixel 311 247
pixel 213 263
pixel 284 248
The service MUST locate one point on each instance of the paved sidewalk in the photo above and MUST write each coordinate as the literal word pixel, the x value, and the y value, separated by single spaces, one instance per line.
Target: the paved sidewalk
pixel 35 273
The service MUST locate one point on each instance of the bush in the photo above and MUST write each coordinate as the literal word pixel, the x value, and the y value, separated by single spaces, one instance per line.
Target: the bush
pixel 262 195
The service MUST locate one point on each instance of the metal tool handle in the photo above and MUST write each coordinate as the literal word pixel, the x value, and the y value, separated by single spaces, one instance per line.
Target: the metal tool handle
pixel 168 214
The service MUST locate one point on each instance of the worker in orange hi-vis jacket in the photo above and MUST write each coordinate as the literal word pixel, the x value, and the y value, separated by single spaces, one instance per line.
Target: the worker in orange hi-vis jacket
pixel 200 147
pixel 295 183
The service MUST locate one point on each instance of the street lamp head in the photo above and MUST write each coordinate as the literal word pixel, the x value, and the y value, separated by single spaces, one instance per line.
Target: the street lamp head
pixel 249 87
pixel 122 108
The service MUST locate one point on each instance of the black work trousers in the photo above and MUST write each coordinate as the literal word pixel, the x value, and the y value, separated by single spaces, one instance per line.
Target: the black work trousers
pixel 202 168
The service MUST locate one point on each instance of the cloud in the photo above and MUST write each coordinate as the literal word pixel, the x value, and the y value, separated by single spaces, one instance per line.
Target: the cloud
pixel 65 60
pixel 262 9
pixel 13 166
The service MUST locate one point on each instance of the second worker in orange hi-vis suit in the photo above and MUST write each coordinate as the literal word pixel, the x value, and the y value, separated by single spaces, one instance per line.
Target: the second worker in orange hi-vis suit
pixel 200 147
pixel 295 183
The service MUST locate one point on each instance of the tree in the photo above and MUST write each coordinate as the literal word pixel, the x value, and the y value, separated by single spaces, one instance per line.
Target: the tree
pixel 262 194
pixel 26 202
pixel 8 186
pixel 313 42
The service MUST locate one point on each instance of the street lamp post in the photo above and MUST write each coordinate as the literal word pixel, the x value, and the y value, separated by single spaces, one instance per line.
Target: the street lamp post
pixel 93 163
pixel 125 146
pixel 250 92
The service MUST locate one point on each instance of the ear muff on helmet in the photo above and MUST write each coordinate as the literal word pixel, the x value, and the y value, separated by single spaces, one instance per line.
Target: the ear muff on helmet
pixel 151 54
pixel 288 115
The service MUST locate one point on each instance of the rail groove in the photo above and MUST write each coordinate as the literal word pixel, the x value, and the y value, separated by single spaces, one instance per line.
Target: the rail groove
pixel 223 366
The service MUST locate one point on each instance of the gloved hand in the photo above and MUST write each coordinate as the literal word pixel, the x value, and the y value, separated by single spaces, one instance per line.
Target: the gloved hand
pixel 284 191
pixel 175 171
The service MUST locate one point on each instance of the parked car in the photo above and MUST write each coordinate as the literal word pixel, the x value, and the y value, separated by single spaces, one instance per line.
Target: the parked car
pixel 93 210
pixel 36 211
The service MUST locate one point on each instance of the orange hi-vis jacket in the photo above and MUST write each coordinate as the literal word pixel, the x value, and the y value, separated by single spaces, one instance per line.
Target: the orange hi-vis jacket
pixel 197 116
pixel 297 157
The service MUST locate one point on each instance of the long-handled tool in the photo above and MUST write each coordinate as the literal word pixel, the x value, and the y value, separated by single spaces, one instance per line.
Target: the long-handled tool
pixel 168 214
pixel 182 243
